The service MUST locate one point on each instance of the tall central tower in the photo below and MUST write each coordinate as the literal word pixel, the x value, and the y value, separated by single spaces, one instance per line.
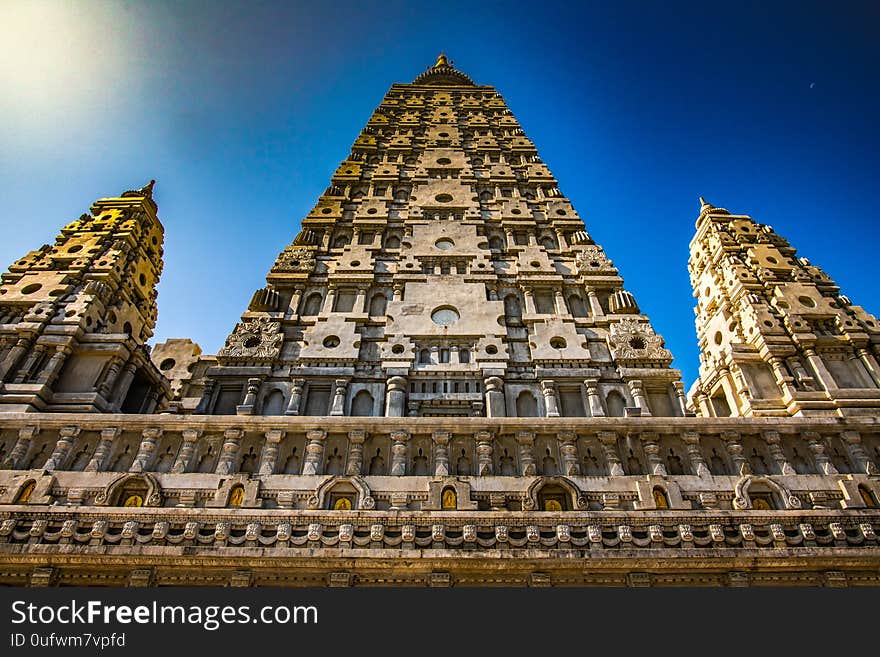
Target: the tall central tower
pixel 443 273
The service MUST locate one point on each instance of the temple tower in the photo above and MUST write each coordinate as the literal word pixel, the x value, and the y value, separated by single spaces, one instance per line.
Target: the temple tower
pixel 443 273
pixel 776 335
pixel 75 316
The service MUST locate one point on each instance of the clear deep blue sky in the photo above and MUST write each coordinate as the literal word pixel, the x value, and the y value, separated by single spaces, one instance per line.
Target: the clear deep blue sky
pixel 242 110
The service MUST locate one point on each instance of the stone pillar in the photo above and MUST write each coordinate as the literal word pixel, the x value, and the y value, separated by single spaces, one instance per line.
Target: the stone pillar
pixel 146 450
pixel 695 454
pixel 529 299
pixel 361 300
pixel 296 390
pixel 441 452
pixel 678 386
pixel 814 441
pixel 250 398
pixel 735 449
pixel 593 398
pixel 398 291
pixel 53 367
pixel 526 442
pixel 338 406
pixel 485 451
pixel 560 237
pixel 773 440
pixel 355 464
pixel 609 445
pixel 548 388
pixel 595 304
pixel 568 452
pixel 229 451
pixel 13 357
pixel 652 453
pixel 822 374
pixel 494 397
pixel 127 377
pixel 395 397
pixel 269 454
pixel 399 452
pixel 453 355
pixel 108 435
pixel 15 460
pixel 24 371
pixel 62 447
pixel 638 393
pixel 493 292
pixel 113 370
pixel 205 401
pixel 870 364
pixel 853 442
pixel 329 300
pixel 783 379
pixel 561 308
pixel 314 460
pixel 705 407
pixel 293 306
pixel 187 447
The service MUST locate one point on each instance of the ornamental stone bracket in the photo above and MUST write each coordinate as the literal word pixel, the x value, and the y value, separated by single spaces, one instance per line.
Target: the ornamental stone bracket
pixel 632 341
pixel 257 339
pixel 225 493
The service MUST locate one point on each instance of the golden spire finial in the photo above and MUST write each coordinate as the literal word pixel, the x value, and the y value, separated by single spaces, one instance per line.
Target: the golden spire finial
pixel 441 60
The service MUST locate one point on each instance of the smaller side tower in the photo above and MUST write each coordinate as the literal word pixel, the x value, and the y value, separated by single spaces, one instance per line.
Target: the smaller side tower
pixel 75 316
pixel 776 335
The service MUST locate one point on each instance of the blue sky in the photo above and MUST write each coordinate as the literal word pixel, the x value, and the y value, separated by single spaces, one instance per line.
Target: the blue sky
pixel 241 112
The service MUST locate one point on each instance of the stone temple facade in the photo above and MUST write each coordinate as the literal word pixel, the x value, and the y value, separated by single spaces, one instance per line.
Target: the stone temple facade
pixel 443 383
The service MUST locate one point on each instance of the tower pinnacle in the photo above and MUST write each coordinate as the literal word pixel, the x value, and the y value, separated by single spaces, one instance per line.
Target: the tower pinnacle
pixel 442 60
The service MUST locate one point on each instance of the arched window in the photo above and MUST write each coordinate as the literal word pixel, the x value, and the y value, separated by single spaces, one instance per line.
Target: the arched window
pixel 576 306
pixel 444 355
pixel 548 243
pixel 236 495
pixel 512 310
pixel 344 301
pixel 362 404
pixel 544 303
pixel 274 403
pixel 496 243
pixel 393 242
pixel 425 356
pixel 526 405
pixel 25 493
pixel 553 498
pixel 377 305
pixel 661 501
pixel 614 404
pixel 868 497
pixel 312 305
pixel 464 355
pixel 340 242
pixel 449 499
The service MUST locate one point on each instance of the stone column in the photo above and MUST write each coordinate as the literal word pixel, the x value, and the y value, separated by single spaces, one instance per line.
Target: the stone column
pixel 296 390
pixel 441 452
pixel 814 441
pixel 783 379
pixel 293 306
pixel 53 367
pixel 561 308
pixel 187 447
pixel 24 371
pixel 638 393
pixel 250 398
pixel 399 452
pixel 269 455
pixel 652 453
pixel 231 444
pixel 146 450
pixel 548 388
pixel 338 406
pixel 560 237
pixel 853 442
pixel 678 386
pixel 593 398
pixel 13 357
pixel 62 447
pixel 395 397
pixel 608 439
pixel 494 397
pixel 361 300
pixel 485 451
pixel 355 464
pixel 329 300
pixel 205 401
pixel 735 449
pixel 125 379
pixel 314 459
pixel 453 355
pixel 773 440
pixel 398 291
pixel 568 452
pixel 822 374
pixel 113 370
pixel 493 291
pixel 529 299
pixel 870 364
pixel 526 442
pixel 15 459
pixel 108 435
pixel 595 304
pixel 695 454
pixel 702 400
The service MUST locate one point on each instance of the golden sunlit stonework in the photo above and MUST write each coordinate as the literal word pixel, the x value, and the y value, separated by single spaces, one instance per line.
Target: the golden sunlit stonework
pixel 444 382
